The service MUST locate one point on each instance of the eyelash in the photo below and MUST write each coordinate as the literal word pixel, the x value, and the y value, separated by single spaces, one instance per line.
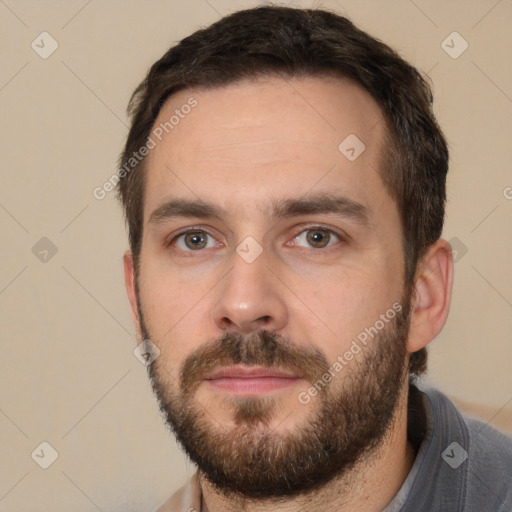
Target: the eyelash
pixel 341 237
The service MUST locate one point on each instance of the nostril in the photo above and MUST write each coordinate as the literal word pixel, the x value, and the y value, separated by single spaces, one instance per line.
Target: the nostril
pixel 226 322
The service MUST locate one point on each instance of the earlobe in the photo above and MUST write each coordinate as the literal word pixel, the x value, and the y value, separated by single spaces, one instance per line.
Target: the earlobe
pixel 130 284
pixel 432 295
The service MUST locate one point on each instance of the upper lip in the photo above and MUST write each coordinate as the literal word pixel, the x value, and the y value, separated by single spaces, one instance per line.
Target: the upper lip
pixel 248 372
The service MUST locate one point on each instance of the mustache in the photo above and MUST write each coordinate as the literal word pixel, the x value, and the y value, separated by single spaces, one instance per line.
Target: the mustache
pixel 262 348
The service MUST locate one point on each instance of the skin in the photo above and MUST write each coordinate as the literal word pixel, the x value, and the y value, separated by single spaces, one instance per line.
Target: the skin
pixel 242 146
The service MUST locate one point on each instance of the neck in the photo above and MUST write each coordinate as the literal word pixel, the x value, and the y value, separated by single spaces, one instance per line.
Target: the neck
pixel 370 485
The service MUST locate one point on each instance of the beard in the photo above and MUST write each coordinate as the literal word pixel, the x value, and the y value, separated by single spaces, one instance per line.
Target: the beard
pixel 347 422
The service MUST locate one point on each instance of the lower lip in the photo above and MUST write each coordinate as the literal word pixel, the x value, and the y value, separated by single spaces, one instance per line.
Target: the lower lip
pixel 252 385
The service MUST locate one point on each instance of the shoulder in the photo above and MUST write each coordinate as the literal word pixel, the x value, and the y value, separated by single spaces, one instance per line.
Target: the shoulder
pixel 489 463
pixel 484 440
pixel 489 440
pixel 478 452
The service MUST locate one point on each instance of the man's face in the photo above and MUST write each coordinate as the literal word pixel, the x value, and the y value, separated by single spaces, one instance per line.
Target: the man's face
pixel 294 249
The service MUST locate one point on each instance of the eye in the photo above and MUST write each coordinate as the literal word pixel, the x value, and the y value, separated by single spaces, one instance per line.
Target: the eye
pixel 318 238
pixel 193 241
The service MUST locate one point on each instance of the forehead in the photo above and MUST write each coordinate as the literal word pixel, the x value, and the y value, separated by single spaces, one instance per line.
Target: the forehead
pixel 251 142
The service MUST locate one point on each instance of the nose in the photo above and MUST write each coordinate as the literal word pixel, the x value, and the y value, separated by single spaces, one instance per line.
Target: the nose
pixel 250 298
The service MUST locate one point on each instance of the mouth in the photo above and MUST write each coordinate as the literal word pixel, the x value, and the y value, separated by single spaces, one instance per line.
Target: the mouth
pixel 251 380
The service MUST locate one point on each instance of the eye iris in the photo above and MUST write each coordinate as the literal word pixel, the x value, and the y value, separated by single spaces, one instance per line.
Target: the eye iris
pixel 195 240
pixel 318 238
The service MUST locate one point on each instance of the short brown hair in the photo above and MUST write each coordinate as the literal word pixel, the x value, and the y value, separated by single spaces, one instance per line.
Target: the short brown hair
pixel 287 42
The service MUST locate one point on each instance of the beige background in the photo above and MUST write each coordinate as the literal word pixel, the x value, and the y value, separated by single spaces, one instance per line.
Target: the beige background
pixel 68 373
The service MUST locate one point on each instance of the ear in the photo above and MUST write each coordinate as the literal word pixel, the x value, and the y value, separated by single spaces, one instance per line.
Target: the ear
pixel 129 281
pixel 432 295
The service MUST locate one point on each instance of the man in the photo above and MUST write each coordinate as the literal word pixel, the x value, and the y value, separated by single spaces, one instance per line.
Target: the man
pixel 284 187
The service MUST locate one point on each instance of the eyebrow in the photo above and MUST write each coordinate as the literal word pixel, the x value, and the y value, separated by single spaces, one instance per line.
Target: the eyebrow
pixel 320 203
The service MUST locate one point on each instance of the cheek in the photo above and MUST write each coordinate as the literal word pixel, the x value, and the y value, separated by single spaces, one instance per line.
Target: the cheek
pixel 340 303
pixel 168 291
pixel 176 313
